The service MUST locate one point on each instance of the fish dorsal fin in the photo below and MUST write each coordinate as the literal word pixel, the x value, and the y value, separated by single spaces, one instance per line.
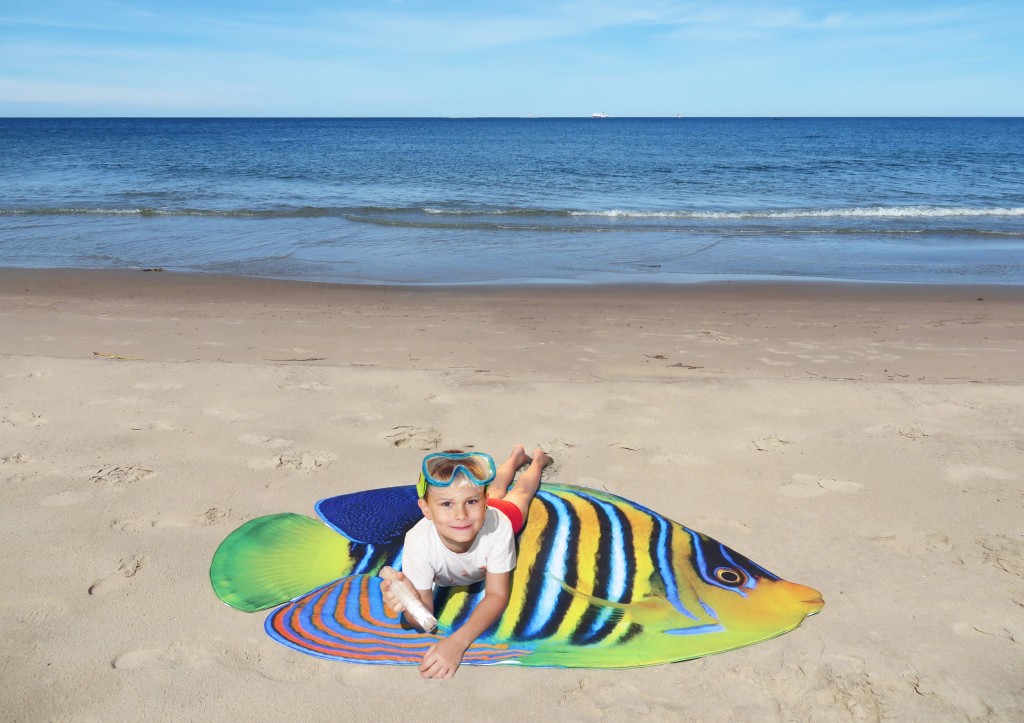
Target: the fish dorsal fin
pixel 375 517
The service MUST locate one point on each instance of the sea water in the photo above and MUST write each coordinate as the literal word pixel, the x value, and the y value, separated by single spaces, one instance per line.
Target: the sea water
pixel 438 201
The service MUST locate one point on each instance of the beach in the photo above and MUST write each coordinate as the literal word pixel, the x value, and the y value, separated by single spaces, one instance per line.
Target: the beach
pixel 862 439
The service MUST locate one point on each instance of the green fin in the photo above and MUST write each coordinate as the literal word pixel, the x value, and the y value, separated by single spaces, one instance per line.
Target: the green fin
pixel 271 560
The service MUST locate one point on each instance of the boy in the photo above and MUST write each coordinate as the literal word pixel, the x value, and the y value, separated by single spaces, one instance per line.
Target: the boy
pixel 471 518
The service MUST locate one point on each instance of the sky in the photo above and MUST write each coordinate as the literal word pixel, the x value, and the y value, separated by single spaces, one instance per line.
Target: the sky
pixel 364 58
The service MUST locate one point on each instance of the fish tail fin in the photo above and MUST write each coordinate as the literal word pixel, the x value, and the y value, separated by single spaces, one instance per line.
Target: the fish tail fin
pixel 273 559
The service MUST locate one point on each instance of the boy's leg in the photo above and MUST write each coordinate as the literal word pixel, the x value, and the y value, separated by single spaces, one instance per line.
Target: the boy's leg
pixel 506 472
pixel 529 482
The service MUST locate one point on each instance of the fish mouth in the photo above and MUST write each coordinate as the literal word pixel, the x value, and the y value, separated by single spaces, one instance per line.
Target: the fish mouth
pixel 816 603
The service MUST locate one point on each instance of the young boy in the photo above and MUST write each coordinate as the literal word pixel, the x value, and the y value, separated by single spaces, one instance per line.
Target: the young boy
pixel 471 518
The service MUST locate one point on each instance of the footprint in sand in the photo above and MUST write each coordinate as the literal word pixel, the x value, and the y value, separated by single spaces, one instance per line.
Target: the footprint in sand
pixel 806 485
pixel 179 655
pixel 422 438
pixel 307 462
pixel 935 543
pixel 1004 552
pixel 265 442
pixel 131 525
pixel 15 458
pixel 64 499
pixel 211 517
pixel 23 419
pixel 770 443
pixel 127 569
pixel 119 476
pixel 27 375
pixel 949 690
pixel 226 414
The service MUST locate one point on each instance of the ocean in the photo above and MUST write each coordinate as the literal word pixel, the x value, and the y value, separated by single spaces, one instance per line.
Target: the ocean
pixel 520 200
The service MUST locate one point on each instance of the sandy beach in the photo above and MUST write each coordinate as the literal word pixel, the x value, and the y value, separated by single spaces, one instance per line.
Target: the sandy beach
pixel 865 440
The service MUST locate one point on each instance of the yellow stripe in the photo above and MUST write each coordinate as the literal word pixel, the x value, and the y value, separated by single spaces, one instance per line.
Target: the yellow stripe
pixel 638 560
pixel 642 525
pixel 586 559
pixel 529 546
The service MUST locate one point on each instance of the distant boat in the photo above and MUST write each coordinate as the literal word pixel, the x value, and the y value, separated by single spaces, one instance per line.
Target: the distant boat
pixel 602 114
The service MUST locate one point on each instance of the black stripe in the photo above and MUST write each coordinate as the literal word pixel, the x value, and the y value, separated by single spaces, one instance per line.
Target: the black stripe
pixel 474 594
pixel 631 632
pixel 538 576
pixel 583 634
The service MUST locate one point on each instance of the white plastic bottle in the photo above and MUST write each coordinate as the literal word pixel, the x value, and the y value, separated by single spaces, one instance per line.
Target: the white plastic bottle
pixel 410 601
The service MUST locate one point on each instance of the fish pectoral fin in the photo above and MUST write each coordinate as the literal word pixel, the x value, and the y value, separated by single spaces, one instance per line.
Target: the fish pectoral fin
pixel 640 611
pixel 592 599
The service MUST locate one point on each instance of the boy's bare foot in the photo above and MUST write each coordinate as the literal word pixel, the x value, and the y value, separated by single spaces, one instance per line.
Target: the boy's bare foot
pixel 541 457
pixel 519 457
pixel 506 472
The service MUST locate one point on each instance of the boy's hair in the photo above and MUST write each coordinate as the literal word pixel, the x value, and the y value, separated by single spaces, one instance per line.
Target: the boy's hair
pixel 445 467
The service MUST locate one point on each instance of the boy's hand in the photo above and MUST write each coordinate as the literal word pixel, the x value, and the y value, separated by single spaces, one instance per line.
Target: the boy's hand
pixel 390 599
pixel 442 659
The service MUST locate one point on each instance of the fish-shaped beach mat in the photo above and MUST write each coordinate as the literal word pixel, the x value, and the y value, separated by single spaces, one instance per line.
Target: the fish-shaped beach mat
pixel 602 582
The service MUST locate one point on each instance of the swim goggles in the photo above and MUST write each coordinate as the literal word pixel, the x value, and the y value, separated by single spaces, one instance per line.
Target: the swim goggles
pixel 439 470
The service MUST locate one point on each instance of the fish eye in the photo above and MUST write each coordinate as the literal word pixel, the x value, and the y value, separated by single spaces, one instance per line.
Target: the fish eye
pixel 730 576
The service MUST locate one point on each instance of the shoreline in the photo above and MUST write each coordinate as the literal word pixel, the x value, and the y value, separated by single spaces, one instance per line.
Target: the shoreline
pixel 667 332
pixel 861 440
pixel 598 281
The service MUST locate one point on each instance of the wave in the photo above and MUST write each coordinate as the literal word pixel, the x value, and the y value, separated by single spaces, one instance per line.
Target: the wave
pixel 856 212
pixel 302 212
pixel 379 214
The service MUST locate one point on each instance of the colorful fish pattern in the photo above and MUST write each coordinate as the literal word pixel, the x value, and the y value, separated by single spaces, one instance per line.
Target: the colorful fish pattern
pixel 601 582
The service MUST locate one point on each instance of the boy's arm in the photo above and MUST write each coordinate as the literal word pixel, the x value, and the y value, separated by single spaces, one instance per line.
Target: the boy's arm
pixel 443 657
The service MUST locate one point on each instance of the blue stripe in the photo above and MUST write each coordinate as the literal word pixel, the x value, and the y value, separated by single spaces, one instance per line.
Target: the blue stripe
pixel 617 579
pixel 665 569
pixel 366 562
pixel 751 583
pixel 696 630
pixel 701 566
pixel 550 589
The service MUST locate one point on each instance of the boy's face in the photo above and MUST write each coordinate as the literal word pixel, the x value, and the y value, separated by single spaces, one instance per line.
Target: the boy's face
pixel 458 513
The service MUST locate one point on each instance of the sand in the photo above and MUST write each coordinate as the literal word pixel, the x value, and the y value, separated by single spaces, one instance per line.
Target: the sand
pixel 867 441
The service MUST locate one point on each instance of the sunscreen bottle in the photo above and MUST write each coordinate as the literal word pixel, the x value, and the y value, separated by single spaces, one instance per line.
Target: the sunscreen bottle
pixel 410 601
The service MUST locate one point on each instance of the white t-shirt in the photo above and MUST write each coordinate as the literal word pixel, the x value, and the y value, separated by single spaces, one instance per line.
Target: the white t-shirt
pixel 426 560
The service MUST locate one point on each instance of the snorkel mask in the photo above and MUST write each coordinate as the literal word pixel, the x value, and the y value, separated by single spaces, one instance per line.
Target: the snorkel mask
pixel 446 468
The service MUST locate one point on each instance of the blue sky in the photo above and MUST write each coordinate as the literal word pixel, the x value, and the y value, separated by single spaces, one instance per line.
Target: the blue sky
pixel 483 58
